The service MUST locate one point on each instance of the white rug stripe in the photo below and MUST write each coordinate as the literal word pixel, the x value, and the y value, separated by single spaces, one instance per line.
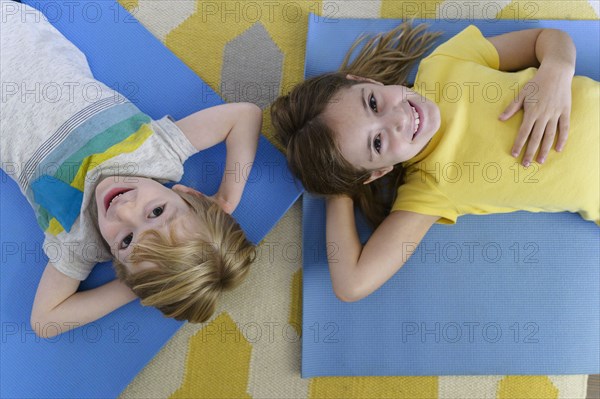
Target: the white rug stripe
pixel 351 9
pixel 468 387
pixel 595 4
pixel 161 16
pixel 261 308
pixel 570 386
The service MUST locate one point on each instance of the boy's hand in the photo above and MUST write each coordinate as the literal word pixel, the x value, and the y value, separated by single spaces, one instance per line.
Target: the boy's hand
pixel 546 101
pixel 226 206
pixel 239 125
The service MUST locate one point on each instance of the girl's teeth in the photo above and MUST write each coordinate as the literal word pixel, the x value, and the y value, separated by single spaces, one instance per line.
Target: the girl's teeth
pixel 417 120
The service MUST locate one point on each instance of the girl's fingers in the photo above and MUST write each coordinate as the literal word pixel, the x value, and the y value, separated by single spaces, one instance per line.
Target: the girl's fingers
pixel 534 142
pixel 537 129
pixel 512 108
pixel 563 132
pixel 547 141
pixel 524 132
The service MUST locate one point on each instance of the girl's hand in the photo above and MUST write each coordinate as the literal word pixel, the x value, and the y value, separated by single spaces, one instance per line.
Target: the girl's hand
pixel 545 109
pixel 338 198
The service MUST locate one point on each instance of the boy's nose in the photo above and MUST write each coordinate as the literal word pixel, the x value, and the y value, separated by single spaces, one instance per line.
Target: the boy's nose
pixel 126 211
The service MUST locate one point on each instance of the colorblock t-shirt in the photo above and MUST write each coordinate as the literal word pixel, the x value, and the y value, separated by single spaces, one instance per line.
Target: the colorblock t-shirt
pixel 62 132
pixel 467 167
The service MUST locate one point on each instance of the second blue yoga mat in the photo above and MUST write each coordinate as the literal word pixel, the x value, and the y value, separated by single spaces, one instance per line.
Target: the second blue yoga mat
pixel 501 294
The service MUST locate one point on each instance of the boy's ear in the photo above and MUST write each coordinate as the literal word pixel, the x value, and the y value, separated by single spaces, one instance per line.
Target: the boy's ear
pixel 379 173
pixel 187 190
pixel 362 79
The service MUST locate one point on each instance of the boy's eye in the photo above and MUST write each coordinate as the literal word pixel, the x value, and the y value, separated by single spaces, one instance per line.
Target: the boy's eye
pixel 126 241
pixel 373 102
pixel 157 211
pixel 377 143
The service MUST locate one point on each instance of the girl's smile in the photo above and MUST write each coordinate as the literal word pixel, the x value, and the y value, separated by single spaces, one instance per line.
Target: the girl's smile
pixel 380 126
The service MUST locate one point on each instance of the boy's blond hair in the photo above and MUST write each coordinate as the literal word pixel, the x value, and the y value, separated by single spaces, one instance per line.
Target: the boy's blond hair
pixel 191 272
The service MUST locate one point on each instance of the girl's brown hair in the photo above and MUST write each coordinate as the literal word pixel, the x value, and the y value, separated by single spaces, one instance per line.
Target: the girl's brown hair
pixel 190 272
pixel 312 152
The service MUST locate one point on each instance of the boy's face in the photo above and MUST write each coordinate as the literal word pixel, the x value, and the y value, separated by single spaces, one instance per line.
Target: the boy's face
pixel 128 206
pixel 375 124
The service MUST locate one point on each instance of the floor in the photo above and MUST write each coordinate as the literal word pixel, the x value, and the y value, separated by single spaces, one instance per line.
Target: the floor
pixel 593 387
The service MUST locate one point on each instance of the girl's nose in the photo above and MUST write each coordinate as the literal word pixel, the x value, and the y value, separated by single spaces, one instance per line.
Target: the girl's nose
pixel 397 119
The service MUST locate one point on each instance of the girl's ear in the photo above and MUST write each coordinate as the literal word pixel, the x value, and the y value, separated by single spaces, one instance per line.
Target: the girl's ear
pixel 362 79
pixel 379 173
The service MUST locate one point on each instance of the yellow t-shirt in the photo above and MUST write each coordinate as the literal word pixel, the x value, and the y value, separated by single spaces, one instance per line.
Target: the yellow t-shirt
pixel 467 167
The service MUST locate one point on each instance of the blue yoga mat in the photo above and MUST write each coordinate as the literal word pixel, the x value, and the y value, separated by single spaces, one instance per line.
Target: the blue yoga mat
pixel 515 293
pixel 101 358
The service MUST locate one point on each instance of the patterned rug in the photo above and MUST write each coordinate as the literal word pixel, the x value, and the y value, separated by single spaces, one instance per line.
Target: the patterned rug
pixel 253 51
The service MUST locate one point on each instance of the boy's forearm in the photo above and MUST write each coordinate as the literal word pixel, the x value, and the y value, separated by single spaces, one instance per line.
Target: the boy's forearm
pixel 84 307
pixel 555 48
pixel 241 146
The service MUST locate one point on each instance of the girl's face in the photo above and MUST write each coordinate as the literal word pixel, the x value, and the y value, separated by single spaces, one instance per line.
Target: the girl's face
pixel 379 126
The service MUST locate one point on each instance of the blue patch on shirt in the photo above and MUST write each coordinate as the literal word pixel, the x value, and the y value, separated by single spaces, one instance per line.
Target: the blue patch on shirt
pixel 60 199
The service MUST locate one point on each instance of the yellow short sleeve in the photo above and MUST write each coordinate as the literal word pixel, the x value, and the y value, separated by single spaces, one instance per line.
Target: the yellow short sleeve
pixel 469 45
pixel 419 194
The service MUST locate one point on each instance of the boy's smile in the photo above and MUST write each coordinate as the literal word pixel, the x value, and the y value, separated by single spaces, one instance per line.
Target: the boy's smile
pixel 128 206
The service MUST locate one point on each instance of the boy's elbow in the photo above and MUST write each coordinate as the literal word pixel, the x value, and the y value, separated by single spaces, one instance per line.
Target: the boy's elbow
pixel 257 114
pixel 349 293
pixel 251 116
pixel 255 109
pixel 37 327
pixel 44 329
pixel 252 109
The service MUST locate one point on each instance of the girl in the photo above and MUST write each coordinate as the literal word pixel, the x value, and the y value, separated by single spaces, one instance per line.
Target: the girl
pixel 445 147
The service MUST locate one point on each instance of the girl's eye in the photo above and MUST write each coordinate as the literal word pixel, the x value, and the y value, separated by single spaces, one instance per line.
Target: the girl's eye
pixel 377 143
pixel 157 211
pixel 373 103
pixel 126 241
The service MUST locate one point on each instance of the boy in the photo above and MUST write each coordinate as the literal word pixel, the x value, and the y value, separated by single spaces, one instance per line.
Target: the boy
pixel 91 165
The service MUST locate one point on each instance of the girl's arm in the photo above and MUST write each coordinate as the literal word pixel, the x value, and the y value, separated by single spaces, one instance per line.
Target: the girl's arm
pixel 536 47
pixel 238 124
pixel 546 99
pixel 58 308
pixel 357 271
